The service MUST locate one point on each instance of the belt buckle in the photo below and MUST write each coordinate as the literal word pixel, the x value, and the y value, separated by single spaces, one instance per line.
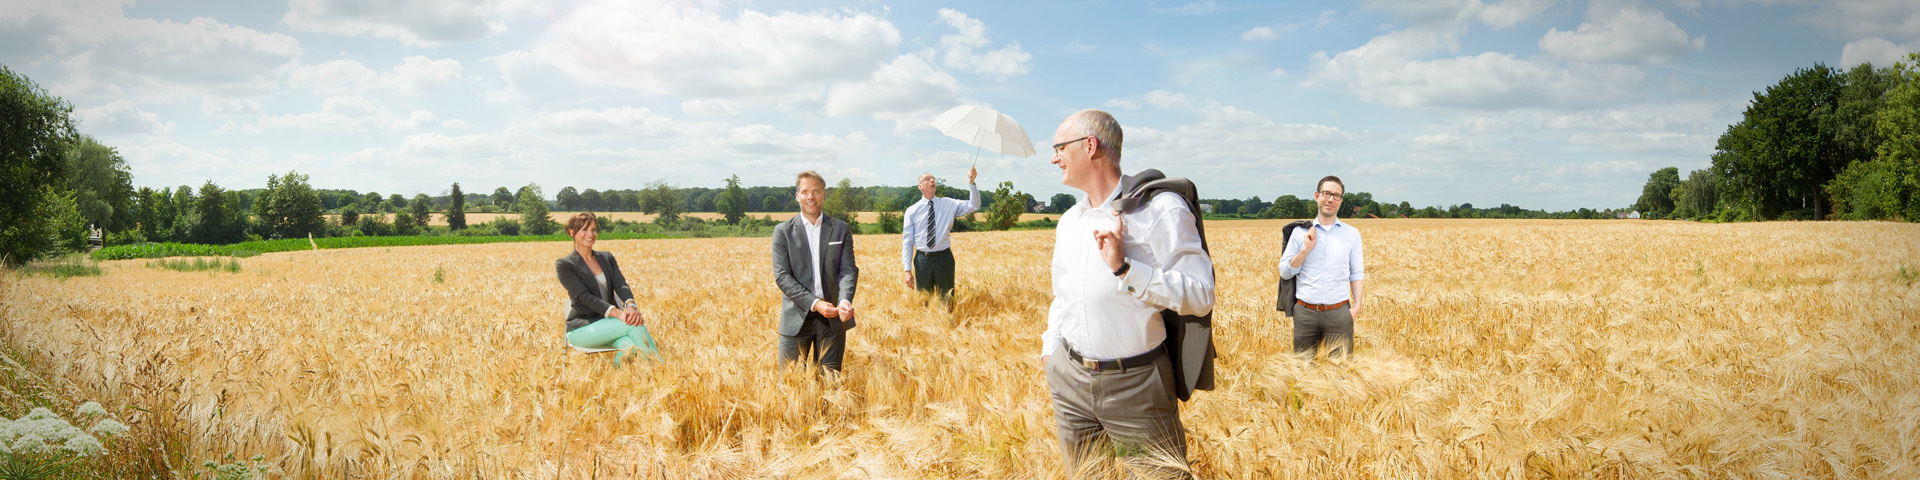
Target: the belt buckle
pixel 1091 364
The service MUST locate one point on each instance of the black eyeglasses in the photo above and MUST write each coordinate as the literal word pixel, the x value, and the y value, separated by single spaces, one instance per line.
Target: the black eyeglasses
pixel 1063 145
pixel 1325 193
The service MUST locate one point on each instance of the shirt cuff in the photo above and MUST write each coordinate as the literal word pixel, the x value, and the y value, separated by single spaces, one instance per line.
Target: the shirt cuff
pixel 1048 346
pixel 1136 280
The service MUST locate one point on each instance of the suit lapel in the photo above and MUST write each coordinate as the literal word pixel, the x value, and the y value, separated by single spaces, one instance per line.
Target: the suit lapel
pixel 586 276
pixel 829 259
pixel 798 236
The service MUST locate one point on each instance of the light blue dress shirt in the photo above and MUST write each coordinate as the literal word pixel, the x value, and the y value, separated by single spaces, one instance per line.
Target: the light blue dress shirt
pixel 1325 277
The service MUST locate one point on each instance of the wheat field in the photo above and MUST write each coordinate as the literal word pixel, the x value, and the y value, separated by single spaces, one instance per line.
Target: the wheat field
pixel 1488 349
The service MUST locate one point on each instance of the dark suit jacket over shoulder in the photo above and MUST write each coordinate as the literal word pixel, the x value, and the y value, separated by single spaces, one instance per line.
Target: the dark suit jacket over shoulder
pixel 583 292
pixel 793 269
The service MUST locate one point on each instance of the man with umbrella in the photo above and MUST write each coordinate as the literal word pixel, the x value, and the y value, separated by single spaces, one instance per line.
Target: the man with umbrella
pixel 926 239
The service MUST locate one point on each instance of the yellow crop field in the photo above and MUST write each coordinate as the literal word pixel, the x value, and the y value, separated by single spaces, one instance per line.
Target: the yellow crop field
pixel 440 219
pixel 1489 349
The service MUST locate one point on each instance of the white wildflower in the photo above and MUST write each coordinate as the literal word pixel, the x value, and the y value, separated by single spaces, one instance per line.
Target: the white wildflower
pixel 31 442
pixel 91 408
pixel 40 413
pixel 84 444
pixel 110 427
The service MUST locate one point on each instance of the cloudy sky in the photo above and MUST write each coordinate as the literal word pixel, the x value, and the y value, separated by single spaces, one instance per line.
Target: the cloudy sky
pixel 1537 103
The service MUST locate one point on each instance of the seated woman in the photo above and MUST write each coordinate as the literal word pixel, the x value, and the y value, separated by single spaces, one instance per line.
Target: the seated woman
pixel 603 312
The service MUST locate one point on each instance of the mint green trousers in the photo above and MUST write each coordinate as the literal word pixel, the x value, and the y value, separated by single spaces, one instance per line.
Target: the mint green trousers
pixel 611 332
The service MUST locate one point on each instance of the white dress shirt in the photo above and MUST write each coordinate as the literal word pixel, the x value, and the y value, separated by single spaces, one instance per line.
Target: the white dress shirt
pixel 1106 317
pixel 813 243
pixel 1326 276
pixel 913 235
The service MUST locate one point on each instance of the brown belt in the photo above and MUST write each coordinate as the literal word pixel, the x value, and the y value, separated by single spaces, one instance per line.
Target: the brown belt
pixel 1321 308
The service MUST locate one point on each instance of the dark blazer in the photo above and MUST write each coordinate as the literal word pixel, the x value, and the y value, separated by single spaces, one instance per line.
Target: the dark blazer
pixel 793 270
pixel 587 305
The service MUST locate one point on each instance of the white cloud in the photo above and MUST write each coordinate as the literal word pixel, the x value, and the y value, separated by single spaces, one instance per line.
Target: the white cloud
pixel 1439 141
pixel 1680 145
pixel 435 145
pixel 1259 34
pixel 112 55
pixel 1449 13
pixel 1629 35
pixel 337 114
pixel 1198 8
pixel 419 119
pixel 1879 51
pixel 1278 73
pixel 229 107
pixel 416 22
pixel 1483 125
pixel 1858 19
pixel 1386 71
pixel 1122 104
pixel 603 123
pixel 1167 100
pixel 961 48
pixel 1692 117
pixel 684 51
pixel 414 74
pixel 908 86
pixel 121 118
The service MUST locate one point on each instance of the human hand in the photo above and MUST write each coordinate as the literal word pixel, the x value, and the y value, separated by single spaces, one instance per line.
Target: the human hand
pixel 633 317
pixel 971 173
pixel 1353 310
pixel 825 309
pixel 1112 244
pixel 1313 235
pixel 910 283
pixel 846 311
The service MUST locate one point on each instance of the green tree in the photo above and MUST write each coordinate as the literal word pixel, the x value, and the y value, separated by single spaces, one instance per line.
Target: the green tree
pixel 349 215
pixel 568 199
pixel 1007 206
pixel 533 212
pixel 591 200
pixel 1696 197
pixel 845 201
pixel 422 209
pixel 221 221
pixel 101 185
pixel 397 202
pixel 659 198
pixel 1785 148
pixel 290 208
pixel 1899 125
pixel 34 132
pixel 1656 198
pixel 457 212
pixel 370 203
pixel 773 203
pixel 1060 203
pixel 503 198
pixel 733 201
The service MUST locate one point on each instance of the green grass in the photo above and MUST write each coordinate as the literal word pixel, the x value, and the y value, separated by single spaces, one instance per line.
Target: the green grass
pixel 199 264
pixel 62 267
pixel 248 249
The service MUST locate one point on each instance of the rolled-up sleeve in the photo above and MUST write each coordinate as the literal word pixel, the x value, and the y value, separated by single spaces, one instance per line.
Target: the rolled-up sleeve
pixel 1356 261
pixel 1294 243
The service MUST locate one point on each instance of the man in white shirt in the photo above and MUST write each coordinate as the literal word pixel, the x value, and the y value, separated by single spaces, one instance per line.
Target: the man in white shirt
pixel 1329 273
pixel 1109 374
pixel 926 240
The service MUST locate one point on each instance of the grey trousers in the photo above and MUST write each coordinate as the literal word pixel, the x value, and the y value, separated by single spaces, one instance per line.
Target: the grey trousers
pixel 934 272
pixel 1128 413
pixel 818 342
pixel 1331 330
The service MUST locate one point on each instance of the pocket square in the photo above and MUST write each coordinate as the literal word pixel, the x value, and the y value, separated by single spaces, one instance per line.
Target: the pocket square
pixel 833 243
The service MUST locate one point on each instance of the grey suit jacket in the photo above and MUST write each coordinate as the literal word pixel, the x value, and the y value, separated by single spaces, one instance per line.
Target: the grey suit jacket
pixel 588 304
pixel 793 270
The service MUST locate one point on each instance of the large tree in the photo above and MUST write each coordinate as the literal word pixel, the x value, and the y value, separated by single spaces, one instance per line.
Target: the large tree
pixel 1007 206
pixel 1060 203
pixel 34 132
pixel 1695 197
pixel 1899 126
pixel 533 212
pixel 221 219
pixel 568 198
pixel 457 212
pixel 733 201
pixel 1785 149
pixel 1656 199
pixel 289 207
pixel 659 198
pixel 503 198
pixel 422 209
pixel 591 200
pixel 102 187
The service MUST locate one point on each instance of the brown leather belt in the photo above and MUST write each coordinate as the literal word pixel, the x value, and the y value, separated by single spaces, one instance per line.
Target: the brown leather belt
pixel 1321 308
pixel 1135 361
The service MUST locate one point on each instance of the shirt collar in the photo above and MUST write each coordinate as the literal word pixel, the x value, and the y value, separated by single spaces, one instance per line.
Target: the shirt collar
pixel 1111 196
pixel 1336 223
pixel 810 223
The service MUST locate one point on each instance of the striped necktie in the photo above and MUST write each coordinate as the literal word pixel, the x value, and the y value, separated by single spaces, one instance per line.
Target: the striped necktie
pixel 929 224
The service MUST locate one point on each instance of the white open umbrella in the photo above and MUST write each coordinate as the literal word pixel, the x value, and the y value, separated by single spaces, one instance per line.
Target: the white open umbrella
pixel 985 128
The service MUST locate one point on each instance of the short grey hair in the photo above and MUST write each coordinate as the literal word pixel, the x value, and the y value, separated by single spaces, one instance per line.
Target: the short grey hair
pixel 1099 124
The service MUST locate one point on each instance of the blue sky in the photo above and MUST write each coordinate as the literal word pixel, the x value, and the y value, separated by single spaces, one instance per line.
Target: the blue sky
pixel 1536 103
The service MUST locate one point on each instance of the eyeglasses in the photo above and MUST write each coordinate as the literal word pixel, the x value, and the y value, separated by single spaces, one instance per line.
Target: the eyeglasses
pixel 1325 193
pixel 1058 147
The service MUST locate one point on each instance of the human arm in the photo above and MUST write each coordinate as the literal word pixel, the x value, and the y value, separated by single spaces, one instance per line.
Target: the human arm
pixel 973 200
pixel 1357 263
pixel 908 225
pixel 1295 254
pixel 626 310
pixel 849 272
pixel 1183 279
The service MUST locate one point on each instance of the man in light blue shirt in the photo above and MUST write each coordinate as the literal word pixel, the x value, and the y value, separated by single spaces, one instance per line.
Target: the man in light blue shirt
pixel 1329 271
pixel 926 239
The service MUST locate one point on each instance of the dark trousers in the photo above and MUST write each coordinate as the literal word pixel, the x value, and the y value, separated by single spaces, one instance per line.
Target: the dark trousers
pixel 933 271
pixel 1331 329
pixel 1129 413
pixel 819 342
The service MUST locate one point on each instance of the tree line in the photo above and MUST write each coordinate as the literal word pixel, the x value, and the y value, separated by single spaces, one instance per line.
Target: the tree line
pixel 1822 144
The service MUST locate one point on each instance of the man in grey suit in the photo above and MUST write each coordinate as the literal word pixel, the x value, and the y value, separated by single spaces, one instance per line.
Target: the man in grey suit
pixel 813 265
